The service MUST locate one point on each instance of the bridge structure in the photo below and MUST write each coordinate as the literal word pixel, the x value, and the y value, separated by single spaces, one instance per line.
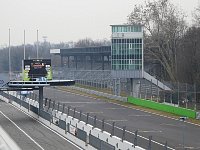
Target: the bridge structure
pixel 35 85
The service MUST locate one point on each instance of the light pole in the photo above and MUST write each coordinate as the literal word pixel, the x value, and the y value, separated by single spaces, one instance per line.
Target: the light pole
pixel 9 59
pixel 37 44
pixel 183 120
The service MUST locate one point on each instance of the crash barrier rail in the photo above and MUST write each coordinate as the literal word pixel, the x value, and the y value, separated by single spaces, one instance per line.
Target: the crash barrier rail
pixel 163 107
pixel 74 125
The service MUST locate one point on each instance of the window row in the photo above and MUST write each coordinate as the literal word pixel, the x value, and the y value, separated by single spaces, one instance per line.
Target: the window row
pixel 126 67
pixel 126 41
pixel 135 56
pixel 127 62
pixel 126 46
pixel 127 28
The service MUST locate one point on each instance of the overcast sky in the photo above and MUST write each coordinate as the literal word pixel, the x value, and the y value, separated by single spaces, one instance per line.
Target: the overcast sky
pixel 67 20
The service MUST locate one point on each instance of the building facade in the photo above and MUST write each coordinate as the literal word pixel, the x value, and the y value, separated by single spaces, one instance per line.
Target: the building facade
pixel 127 59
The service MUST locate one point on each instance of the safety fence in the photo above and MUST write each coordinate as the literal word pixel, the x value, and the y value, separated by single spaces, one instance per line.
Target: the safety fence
pixel 89 129
pixel 80 131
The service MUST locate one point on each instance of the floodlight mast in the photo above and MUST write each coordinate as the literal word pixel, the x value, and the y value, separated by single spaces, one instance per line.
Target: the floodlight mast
pixel 9 59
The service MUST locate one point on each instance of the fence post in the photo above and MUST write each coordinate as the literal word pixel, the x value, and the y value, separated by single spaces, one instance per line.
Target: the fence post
pixel 150 140
pixel 80 115
pixel 166 145
pixel 195 97
pixel 68 110
pixel 102 129
pixel 186 98
pixel 113 128
pixel 151 89
pixel 178 95
pixel 123 133
pixel 74 112
pixel 158 95
pixel 95 121
pixel 135 139
pixel 63 109
pixel 53 105
pixel 49 103
pixel 87 118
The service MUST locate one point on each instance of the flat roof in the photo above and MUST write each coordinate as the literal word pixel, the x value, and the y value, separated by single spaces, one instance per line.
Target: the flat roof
pixel 33 84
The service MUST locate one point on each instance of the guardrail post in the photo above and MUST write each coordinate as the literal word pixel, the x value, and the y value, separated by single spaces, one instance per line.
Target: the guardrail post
pixel 135 139
pixel 102 129
pixel 123 134
pixel 113 129
pixel 63 109
pixel 74 112
pixel 80 115
pixel 87 118
pixel 150 140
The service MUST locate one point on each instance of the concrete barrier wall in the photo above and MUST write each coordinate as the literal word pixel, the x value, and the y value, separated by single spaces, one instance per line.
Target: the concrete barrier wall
pixel 163 107
pixel 72 124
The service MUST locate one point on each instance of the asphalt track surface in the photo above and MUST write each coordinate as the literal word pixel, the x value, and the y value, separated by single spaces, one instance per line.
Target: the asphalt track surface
pixel 161 128
pixel 28 133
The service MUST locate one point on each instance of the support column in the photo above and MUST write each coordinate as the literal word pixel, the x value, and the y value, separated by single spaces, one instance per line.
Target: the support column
pixel 117 87
pixel 76 63
pixel 134 87
pixel 61 61
pixel 68 61
pixel 85 62
pixel 102 59
pixel 91 62
pixel 40 98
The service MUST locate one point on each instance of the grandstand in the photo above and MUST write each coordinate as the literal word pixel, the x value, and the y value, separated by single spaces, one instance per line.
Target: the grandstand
pixel 121 64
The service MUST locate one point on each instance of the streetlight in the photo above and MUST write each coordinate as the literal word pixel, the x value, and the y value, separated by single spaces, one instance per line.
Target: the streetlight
pixel 183 119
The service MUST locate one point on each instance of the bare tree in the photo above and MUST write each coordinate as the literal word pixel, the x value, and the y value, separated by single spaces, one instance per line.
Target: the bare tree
pixel 164 25
pixel 89 42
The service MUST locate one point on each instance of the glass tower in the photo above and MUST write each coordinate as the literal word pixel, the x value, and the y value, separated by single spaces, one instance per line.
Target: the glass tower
pixel 127 48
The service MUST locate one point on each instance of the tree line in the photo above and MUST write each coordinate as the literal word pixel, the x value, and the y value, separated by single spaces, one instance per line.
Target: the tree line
pixel 169 42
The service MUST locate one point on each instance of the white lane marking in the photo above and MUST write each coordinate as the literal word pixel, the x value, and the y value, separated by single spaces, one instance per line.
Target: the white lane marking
pixel 113 108
pixel 149 131
pixel 116 120
pixel 94 112
pixel 167 124
pixel 48 127
pixel 139 115
pixel 77 106
pixel 22 131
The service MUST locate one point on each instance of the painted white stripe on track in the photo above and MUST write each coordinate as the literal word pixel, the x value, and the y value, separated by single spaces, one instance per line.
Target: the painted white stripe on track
pixel 22 131
pixel 47 127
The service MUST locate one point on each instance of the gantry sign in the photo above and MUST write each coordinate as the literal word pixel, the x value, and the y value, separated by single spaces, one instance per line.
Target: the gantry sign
pixel 37 74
